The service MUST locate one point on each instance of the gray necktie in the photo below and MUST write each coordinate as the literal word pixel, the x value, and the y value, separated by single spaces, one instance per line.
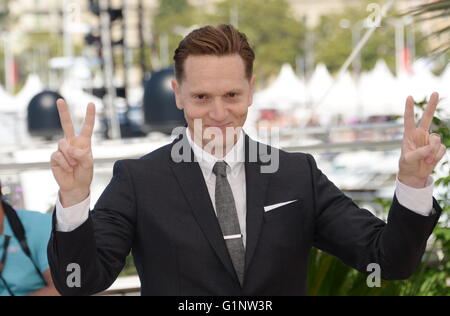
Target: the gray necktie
pixel 228 219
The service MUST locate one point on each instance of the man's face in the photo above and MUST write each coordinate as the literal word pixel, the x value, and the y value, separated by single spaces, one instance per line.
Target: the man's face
pixel 215 95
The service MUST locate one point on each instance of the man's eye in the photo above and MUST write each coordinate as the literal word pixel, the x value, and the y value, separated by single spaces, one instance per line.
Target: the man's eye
pixel 200 97
pixel 232 95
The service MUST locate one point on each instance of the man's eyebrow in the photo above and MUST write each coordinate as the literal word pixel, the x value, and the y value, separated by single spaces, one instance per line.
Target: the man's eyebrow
pixel 237 90
pixel 199 93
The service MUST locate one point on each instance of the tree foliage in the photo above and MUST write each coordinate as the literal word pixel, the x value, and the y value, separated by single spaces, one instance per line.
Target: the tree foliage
pixel 173 15
pixel 275 34
pixel 271 28
pixel 334 43
pixel 438 10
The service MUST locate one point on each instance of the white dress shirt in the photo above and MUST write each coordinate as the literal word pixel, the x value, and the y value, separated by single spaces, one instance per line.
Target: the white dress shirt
pixel 419 201
pixel 235 174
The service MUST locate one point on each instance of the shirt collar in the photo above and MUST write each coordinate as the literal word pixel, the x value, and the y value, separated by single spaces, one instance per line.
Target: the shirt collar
pixel 235 158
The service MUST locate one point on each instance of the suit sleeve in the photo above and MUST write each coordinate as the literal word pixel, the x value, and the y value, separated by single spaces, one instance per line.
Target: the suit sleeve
pixel 358 238
pixel 99 246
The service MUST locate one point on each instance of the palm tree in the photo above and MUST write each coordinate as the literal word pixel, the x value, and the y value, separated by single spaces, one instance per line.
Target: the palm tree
pixel 436 10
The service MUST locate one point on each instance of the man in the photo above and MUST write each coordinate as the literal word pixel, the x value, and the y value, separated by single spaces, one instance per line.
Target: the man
pixel 203 216
pixel 21 275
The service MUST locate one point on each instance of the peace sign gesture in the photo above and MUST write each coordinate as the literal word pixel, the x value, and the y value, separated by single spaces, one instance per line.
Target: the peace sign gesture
pixel 73 164
pixel 421 151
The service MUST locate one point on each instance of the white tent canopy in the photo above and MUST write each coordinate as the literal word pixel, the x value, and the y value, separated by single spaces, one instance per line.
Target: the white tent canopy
pixel 378 92
pixel 419 85
pixel 287 92
pixel 78 100
pixel 32 87
pixel 320 82
pixel 7 102
pixel 445 77
pixel 343 99
pixel 444 90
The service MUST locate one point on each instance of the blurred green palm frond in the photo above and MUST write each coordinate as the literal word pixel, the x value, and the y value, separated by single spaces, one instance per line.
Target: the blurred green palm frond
pixel 436 10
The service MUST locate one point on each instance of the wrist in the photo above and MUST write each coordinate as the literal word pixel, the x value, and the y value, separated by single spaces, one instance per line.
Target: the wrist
pixel 72 198
pixel 414 182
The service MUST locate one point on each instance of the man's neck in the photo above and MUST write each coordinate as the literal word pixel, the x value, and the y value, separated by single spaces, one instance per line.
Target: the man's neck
pixel 206 145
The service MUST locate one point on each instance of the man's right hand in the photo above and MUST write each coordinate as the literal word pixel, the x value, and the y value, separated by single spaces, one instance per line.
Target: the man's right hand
pixel 73 164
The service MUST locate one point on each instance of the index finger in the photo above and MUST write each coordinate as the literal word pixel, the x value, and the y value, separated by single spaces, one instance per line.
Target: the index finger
pixel 428 115
pixel 89 121
pixel 410 123
pixel 64 117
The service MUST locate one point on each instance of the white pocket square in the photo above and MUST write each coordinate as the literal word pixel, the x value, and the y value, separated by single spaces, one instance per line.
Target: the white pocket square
pixel 275 206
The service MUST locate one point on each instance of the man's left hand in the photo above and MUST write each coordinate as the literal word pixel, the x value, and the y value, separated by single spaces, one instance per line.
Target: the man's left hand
pixel 421 151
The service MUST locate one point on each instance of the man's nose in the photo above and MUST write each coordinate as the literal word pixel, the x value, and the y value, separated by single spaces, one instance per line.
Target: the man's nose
pixel 218 113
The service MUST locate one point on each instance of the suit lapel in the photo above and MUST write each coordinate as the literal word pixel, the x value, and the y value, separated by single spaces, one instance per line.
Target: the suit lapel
pixel 257 184
pixel 192 182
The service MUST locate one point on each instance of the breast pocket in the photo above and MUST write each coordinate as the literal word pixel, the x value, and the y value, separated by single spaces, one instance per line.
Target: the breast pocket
pixel 286 212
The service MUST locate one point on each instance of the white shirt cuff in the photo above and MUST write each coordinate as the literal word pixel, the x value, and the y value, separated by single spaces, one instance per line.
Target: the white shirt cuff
pixel 419 201
pixel 69 219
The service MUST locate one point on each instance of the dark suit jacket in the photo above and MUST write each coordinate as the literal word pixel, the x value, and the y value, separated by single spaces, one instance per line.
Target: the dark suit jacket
pixel 161 211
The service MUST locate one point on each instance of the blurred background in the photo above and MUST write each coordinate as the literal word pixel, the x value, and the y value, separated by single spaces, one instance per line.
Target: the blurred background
pixel 332 79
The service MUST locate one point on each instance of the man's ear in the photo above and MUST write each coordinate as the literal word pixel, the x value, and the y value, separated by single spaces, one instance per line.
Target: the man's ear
pixel 176 90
